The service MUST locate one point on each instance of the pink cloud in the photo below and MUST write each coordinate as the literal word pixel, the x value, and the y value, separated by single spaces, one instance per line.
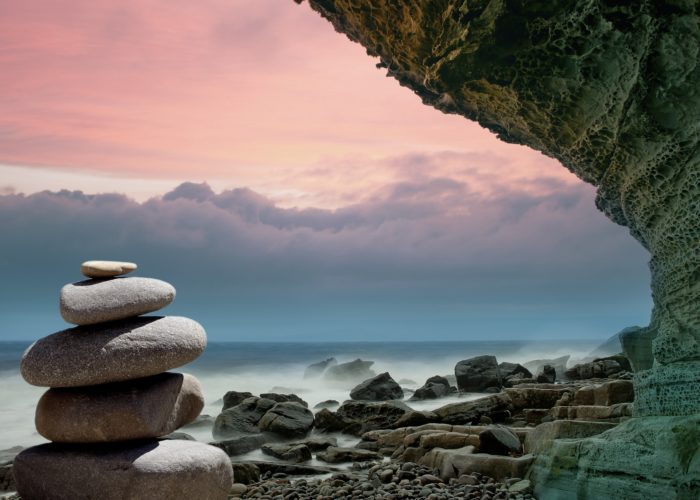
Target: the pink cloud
pixel 254 92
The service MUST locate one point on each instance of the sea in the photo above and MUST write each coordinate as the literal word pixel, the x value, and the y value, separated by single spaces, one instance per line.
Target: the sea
pixel 259 367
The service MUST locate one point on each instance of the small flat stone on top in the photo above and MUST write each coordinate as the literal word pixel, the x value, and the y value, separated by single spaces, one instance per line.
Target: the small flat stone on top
pixel 106 268
pixel 97 300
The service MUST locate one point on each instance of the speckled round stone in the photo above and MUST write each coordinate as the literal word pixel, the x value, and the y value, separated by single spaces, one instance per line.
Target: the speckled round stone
pixel 106 268
pixel 98 300
pixel 113 352
pixel 138 409
pixel 153 470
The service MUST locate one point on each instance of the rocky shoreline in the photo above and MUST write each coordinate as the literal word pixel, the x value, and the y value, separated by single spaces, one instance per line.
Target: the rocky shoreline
pixel 374 445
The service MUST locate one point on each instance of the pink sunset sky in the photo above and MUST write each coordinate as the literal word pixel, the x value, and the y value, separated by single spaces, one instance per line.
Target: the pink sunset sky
pixel 136 96
pixel 259 161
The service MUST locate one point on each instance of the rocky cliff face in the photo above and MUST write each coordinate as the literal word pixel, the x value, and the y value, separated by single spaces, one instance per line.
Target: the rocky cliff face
pixel 611 89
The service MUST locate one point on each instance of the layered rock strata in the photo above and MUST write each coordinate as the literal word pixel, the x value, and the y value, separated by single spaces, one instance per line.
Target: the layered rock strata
pixel 110 398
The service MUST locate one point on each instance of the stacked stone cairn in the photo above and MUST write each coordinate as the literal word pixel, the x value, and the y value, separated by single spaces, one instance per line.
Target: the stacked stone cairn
pixel 111 398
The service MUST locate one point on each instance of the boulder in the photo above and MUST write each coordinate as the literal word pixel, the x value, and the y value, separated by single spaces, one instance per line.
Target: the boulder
pixel 414 418
pixel 523 397
pixel 329 403
pixel 316 369
pixel 240 445
pixel 362 416
pixel 599 368
pixel 317 443
pixel 606 394
pixel 113 352
pixel 497 407
pixel 335 455
pixel 511 369
pixel 97 301
pixel 447 440
pixel 245 472
pixel 352 372
pixel 434 388
pixel 547 375
pixel 379 388
pixel 327 421
pixel 242 418
pixel 284 398
pixel 138 409
pixel 157 470
pixel 290 452
pixel 477 374
pixel 499 440
pixel 233 398
pixel 106 268
pixel 287 419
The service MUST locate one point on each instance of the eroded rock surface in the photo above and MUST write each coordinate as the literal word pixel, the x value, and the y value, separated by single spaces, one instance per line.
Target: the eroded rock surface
pixel 608 89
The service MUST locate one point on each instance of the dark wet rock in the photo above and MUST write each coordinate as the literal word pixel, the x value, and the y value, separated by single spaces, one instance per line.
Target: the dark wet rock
pixel 434 388
pixel 284 398
pixel 499 440
pixel 316 369
pixel 317 443
pixel 245 472
pixel 287 419
pixel 336 455
pixel 329 403
pixel 352 372
pixel 379 388
pixel 599 368
pixel 289 452
pixel 497 407
pixel 415 418
pixel 233 398
pixel 547 375
pixel 363 416
pixel 242 418
pixel 511 369
pixel 241 444
pixel 478 374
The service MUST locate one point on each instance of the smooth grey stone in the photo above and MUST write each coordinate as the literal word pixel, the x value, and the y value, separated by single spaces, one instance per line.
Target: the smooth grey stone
pixel 124 350
pixel 138 409
pixel 156 470
pixel 99 300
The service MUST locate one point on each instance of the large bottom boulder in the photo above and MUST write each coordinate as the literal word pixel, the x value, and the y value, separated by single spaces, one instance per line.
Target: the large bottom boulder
pixel 157 470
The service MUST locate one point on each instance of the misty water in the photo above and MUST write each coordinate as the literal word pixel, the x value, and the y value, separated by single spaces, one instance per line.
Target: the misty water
pixel 279 367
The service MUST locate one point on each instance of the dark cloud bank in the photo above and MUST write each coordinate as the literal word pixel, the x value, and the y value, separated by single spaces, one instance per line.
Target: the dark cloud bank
pixel 416 261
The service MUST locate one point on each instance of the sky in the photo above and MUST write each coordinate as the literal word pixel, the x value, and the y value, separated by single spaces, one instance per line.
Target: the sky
pixel 263 164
